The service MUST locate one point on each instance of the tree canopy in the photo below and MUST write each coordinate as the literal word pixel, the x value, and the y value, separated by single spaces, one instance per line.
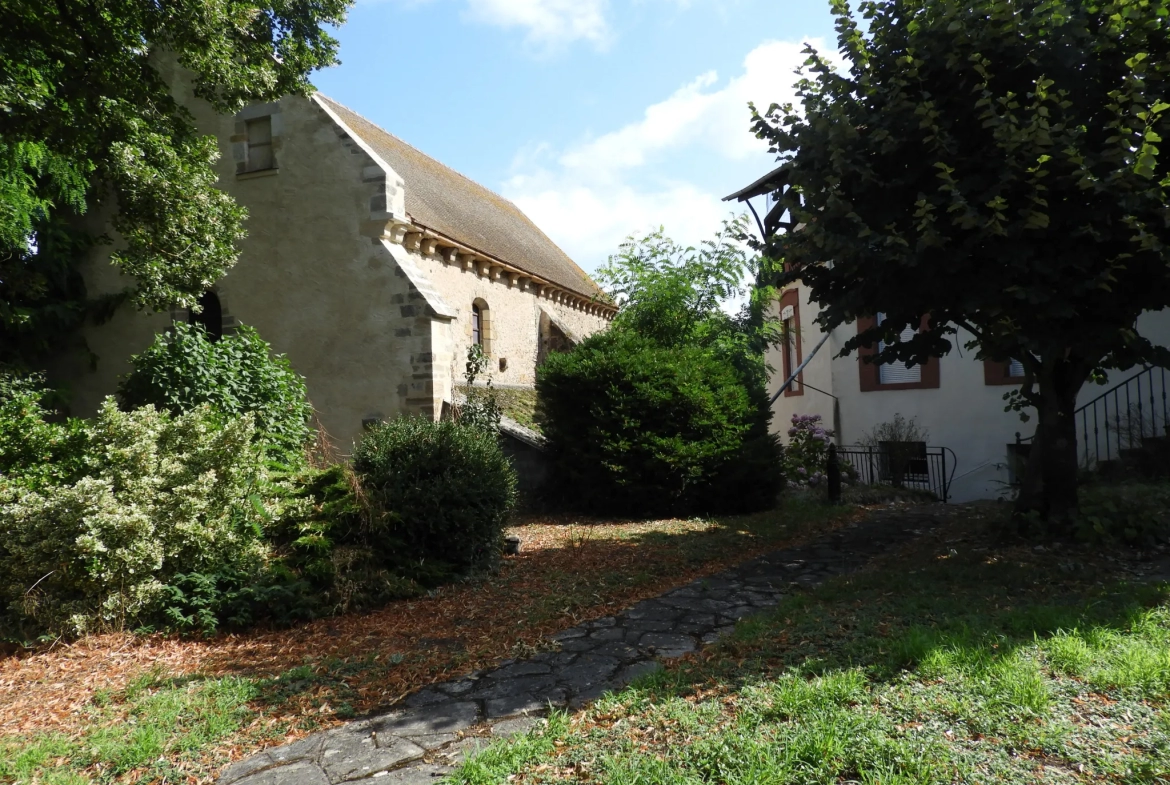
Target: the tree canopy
pixel 992 165
pixel 678 295
pixel 86 118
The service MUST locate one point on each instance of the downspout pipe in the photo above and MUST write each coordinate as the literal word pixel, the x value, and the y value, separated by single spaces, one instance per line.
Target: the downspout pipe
pixel 788 382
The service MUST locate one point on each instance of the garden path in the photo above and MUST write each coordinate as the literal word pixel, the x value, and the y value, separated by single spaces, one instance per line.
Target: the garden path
pixel 435 728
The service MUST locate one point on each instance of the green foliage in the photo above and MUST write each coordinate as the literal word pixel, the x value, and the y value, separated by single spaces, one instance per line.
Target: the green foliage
pixel 89 118
pixel 442 489
pixel 667 412
pixel 157 496
pixel 674 295
pixel 236 375
pixel 643 428
pixel 1131 512
pixel 962 166
pixel 33 451
pixel 481 409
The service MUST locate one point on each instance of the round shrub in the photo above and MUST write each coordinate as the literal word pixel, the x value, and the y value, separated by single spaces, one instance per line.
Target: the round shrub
pixel 444 490
pixel 644 429
pixel 237 374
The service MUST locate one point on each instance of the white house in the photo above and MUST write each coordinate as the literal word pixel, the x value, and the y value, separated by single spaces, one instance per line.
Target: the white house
pixel 958 400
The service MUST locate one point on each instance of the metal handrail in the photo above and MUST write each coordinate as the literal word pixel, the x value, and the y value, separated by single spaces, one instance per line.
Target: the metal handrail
pixel 1116 425
pixel 872 467
pixel 1118 386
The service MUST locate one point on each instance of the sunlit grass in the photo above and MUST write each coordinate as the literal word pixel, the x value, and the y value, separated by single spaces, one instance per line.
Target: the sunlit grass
pixel 935 668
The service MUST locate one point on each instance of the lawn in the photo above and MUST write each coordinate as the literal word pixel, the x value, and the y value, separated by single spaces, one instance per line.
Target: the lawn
pixel 154 708
pixel 958 659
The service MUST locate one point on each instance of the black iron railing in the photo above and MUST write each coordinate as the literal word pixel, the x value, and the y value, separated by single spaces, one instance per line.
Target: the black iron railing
pixel 902 464
pixel 1122 417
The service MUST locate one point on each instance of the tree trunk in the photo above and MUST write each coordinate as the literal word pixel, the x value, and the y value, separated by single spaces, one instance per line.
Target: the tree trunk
pixel 1049 487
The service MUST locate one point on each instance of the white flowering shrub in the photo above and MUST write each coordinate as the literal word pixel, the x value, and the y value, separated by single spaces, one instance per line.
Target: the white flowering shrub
pixel 158 496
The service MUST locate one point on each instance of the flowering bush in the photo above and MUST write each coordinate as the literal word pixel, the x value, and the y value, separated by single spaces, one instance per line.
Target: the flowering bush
pixel 157 496
pixel 807 450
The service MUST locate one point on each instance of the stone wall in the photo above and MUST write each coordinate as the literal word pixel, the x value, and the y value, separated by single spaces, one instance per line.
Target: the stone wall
pixel 514 323
pixel 375 329
pixel 319 290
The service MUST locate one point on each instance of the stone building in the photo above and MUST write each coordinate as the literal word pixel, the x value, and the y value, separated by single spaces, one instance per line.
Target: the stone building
pixel 371 265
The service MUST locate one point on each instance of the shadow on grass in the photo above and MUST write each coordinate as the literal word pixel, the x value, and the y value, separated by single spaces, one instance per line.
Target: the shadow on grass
pixel 954 660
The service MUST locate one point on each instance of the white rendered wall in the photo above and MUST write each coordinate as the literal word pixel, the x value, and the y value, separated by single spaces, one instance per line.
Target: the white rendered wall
pixel 963 414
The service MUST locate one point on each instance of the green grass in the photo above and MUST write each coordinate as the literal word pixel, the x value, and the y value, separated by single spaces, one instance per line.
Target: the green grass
pixel 938 667
pixel 153 727
pixel 156 730
pixel 160 729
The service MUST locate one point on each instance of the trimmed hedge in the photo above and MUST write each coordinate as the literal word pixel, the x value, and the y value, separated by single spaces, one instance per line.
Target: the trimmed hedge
pixel 639 428
pixel 444 490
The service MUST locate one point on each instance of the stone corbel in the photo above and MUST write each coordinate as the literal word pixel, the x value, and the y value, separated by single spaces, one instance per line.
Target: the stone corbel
pixel 484 269
pixel 494 272
pixel 427 246
pixel 450 254
pixel 412 241
pixel 513 280
pixel 466 261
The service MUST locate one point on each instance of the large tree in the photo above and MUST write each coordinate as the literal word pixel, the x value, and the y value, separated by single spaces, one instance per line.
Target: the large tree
pixel 85 118
pixel 992 165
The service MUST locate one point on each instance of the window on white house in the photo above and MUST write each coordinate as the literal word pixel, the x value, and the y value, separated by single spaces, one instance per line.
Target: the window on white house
pixel 897 372
pixel 260 144
pixel 790 336
pixel 1015 369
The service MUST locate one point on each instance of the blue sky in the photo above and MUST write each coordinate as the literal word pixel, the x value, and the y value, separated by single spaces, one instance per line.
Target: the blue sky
pixel 599 118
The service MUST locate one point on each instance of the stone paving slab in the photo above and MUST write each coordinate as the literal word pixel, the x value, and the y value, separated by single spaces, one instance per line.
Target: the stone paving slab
pixel 429 733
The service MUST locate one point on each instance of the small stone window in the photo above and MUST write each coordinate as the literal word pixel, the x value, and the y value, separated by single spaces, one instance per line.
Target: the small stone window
pixel 210 318
pixel 481 326
pixel 260 145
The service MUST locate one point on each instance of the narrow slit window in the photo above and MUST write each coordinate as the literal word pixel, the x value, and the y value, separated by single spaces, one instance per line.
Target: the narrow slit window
pixel 476 326
pixel 260 144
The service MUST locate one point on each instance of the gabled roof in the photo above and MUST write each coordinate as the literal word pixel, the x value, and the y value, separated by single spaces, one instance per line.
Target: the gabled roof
pixel 442 200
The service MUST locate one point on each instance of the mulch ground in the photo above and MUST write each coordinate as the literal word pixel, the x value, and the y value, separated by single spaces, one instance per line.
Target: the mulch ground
pixel 567 572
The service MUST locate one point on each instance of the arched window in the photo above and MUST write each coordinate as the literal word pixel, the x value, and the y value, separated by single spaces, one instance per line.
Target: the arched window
pixel 211 317
pixel 481 326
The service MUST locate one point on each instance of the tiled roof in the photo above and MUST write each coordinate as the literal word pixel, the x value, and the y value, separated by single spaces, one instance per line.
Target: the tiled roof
pixel 441 199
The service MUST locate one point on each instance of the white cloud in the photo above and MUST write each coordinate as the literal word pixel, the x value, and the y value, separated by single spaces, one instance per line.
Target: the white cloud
pixel 591 195
pixel 548 22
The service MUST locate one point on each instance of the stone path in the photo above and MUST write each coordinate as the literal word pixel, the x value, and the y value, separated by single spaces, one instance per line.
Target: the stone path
pixel 436 727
